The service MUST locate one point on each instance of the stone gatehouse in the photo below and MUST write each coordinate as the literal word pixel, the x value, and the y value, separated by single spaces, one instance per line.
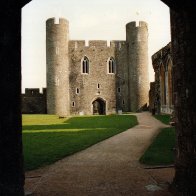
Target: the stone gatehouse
pixel 94 77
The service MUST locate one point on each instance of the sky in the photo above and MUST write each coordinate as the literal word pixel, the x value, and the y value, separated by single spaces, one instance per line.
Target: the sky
pixel 88 20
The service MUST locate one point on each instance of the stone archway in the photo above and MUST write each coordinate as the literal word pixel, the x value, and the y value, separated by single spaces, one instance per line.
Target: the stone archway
pixel 99 106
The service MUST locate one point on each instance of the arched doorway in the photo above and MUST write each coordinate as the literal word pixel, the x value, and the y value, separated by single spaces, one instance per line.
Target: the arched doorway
pixel 98 106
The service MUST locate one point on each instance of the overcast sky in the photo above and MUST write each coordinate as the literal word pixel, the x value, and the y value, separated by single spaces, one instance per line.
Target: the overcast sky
pixel 88 20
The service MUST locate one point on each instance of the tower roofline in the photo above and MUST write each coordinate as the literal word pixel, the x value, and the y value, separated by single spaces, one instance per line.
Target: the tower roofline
pixel 56 20
pixel 134 24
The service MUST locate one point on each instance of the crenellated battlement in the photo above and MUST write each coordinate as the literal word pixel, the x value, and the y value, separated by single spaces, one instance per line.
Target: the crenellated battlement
pixel 135 25
pixel 33 101
pixel 34 92
pixel 56 21
pixel 97 43
pixel 77 44
pixel 143 24
pixel 74 44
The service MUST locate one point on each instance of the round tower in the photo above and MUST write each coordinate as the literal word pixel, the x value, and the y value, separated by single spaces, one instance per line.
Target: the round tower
pixel 57 33
pixel 137 42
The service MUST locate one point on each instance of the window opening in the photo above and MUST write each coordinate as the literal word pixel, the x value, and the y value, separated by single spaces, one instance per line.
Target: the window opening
pixel 85 65
pixel 77 90
pixel 111 66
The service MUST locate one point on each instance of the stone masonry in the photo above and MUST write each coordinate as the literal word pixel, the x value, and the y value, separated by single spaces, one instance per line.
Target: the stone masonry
pixel 89 78
pixel 34 102
pixel 57 67
pixel 161 91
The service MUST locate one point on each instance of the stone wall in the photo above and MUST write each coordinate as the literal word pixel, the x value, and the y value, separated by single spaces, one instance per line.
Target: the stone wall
pixel 152 97
pixel 34 102
pixel 184 69
pixel 98 83
pixel 163 87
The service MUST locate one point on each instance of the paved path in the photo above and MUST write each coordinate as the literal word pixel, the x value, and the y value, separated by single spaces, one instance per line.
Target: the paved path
pixel 108 168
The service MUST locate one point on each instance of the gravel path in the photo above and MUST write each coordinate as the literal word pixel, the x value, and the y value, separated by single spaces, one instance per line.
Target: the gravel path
pixel 110 167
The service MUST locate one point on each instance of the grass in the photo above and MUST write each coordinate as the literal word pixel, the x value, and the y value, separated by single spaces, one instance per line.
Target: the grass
pixel 46 138
pixel 160 152
pixel 164 118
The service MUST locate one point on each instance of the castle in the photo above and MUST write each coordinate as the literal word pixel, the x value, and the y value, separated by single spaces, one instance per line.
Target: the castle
pixel 95 78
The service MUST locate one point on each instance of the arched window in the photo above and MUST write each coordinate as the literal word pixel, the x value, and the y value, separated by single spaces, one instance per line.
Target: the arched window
pixel 85 65
pixel 170 83
pixel 111 66
pixel 162 85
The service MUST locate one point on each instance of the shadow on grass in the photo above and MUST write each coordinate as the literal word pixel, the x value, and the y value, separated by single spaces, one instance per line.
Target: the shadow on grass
pixel 45 148
pixel 45 144
pixel 83 123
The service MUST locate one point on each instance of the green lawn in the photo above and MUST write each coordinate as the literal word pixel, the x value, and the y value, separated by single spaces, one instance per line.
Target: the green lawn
pixel 164 118
pixel 160 152
pixel 46 138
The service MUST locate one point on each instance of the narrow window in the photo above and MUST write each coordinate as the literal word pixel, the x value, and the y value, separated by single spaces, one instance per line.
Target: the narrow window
pixel 118 89
pixel 123 102
pixel 111 66
pixel 57 50
pixel 119 46
pixel 56 81
pixel 85 65
pixel 73 104
pixel 98 86
pixel 77 90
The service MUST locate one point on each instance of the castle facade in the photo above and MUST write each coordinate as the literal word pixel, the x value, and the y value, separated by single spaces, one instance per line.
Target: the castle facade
pixel 96 78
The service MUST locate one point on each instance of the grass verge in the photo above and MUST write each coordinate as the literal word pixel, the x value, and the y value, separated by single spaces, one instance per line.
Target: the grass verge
pixel 160 152
pixel 46 138
pixel 164 118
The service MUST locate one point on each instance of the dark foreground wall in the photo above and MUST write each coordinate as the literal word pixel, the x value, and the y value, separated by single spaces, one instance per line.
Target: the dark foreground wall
pixel 184 47
pixel 184 57
pixel 34 102
pixel 183 22
pixel 11 158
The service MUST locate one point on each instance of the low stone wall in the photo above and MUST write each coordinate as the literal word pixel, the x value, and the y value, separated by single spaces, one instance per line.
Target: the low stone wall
pixel 34 102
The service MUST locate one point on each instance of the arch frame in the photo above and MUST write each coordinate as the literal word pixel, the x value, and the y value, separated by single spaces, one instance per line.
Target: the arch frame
pixel 103 101
pixel 112 66
pixel 85 68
